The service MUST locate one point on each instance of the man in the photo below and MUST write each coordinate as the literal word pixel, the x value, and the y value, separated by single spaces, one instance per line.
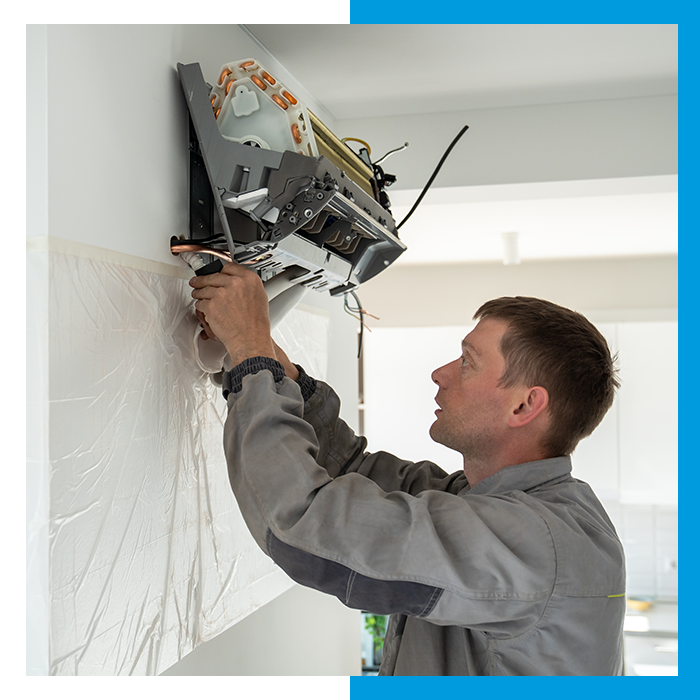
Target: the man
pixel 510 567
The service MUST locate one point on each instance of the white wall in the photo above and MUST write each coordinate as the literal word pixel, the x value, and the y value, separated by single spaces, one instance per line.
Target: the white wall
pixel 326 641
pixel 135 549
pixel 117 127
pixel 543 143
pixel 447 295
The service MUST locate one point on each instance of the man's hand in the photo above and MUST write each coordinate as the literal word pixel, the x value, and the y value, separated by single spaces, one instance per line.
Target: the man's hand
pixel 207 333
pixel 235 307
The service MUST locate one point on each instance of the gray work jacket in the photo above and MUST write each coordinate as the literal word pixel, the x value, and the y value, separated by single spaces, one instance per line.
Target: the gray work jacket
pixel 521 575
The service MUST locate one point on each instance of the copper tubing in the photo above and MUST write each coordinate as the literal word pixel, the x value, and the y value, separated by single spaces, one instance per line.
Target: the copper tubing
pixel 296 134
pixel 223 75
pixel 194 248
pixel 257 260
pixel 289 97
pixel 279 101
pixel 258 82
pixel 268 78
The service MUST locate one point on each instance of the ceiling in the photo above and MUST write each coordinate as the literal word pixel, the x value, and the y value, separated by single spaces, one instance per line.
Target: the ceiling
pixel 364 71
pixel 367 70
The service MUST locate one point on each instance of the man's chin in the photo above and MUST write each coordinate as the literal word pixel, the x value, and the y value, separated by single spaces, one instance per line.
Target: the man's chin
pixel 437 433
pixel 434 433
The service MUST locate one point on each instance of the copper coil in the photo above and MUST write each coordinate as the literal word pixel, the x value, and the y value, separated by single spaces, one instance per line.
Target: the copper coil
pixel 288 96
pixel 279 101
pixel 258 82
pixel 247 64
pixel 194 248
pixel 257 260
pixel 296 134
pixel 217 113
pixel 228 86
pixel 267 77
pixel 223 75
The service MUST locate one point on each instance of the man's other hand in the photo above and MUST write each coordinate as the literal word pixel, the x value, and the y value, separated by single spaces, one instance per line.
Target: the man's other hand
pixel 289 368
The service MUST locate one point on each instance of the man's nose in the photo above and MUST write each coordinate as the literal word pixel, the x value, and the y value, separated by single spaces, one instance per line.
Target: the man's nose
pixel 438 375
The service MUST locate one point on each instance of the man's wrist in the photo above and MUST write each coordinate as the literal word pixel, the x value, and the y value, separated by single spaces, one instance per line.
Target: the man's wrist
pixel 233 380
pixel 241 353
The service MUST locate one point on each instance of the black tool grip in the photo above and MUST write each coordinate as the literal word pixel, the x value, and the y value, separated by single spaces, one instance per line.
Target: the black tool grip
pixel 210 268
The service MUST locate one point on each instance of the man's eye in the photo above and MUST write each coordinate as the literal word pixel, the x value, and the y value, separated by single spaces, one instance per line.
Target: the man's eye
pixel 465 360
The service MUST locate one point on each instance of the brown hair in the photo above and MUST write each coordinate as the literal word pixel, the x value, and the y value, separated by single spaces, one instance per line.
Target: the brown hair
pixel 550 346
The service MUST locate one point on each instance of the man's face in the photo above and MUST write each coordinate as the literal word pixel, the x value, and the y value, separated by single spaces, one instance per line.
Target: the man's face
pixel 474 410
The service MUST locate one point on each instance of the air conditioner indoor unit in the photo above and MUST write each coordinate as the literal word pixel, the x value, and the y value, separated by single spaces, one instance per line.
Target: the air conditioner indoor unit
pixel 272 188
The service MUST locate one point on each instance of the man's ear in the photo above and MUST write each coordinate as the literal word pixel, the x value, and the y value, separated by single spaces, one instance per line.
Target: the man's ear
pixel 534 400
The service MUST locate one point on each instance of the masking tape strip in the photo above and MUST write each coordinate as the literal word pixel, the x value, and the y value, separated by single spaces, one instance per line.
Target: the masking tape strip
pixel 91 252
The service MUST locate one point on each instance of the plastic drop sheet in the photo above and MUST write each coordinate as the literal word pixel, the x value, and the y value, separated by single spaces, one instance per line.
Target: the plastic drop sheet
pixel 148 553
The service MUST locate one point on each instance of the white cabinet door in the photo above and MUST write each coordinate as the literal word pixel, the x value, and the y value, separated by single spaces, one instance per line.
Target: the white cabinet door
pixel 649 412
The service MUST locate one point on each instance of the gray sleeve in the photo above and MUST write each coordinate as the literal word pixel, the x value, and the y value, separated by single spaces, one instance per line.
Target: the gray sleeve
pixel 461 560
pixel 343 452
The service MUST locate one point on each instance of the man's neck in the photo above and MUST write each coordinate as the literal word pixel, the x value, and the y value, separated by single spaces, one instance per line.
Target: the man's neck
pixel 477 470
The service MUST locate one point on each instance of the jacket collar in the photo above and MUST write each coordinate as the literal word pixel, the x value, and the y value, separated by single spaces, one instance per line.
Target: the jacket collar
pixel 523 477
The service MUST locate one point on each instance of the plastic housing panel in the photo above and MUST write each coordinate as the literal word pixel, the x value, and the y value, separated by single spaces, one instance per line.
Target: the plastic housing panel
pixel 252 106
pixel 148 553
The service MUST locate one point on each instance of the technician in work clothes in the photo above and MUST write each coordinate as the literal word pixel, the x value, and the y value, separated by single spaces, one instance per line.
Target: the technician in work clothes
pixel 509 568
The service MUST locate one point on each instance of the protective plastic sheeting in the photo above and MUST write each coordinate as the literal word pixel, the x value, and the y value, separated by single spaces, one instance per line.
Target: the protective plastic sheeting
pixel 148 554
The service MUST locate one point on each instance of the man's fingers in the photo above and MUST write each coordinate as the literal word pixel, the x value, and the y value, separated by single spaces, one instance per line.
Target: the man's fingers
pixel 203 293
pixel 208 332
pixel 203 307
pixel 215 280
pixel 233 268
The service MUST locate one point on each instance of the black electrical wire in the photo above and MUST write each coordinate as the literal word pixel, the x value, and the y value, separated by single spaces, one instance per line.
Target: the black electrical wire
pixel 216 238
pixel 432 177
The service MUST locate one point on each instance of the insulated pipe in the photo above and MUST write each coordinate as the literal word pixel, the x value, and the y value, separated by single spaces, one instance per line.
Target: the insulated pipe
pixel 284 293
pixel 284 302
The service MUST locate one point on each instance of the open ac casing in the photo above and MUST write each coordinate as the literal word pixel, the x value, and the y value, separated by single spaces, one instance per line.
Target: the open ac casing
pixel 282 210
